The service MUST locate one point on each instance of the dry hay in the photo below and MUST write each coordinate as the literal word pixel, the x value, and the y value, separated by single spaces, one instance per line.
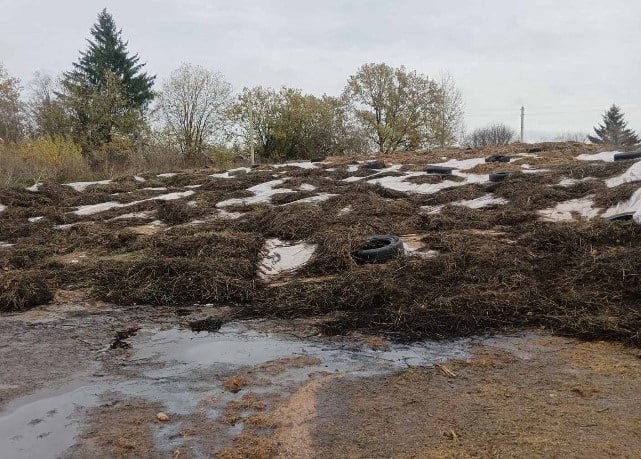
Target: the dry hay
pixel 497 268
pixel 20 290
pixel 568 277
pixel 433 178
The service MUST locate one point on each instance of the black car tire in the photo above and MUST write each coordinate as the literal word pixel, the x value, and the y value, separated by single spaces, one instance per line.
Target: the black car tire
pixel 379 248
pixel 498 159
pixel 375 165
pixel 622 216
pixel 498 176
pixel 627 155
pixel 440 170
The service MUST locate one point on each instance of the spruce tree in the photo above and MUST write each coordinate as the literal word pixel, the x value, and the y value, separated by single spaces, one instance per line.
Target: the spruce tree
pixel 107 52
pixel 614 130
pixel 107 92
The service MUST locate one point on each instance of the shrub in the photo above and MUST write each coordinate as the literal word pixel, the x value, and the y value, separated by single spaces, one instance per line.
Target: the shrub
pixel 494 134
pixel 48 158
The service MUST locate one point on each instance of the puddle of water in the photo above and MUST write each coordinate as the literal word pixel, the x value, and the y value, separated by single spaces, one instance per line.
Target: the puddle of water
pixel 237 346
pixel 42 425
pixel 170 366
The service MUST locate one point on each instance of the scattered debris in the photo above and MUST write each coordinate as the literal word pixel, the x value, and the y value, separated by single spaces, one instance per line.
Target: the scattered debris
pixel 235 383
pixel 498 159
pixel 121 336
pixel 210 324
pixel 445 370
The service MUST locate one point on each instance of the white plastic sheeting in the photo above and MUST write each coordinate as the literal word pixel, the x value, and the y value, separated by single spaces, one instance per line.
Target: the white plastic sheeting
pixel 282 257
pixel 633 174
pixel 262 193
pixel 103 206
pixel 461 164
pixel 607 156
pixel 630 205
pixel 400 183
pixel 567 210
pixel 300 164
pixel 484 201
pixel 320 197
pixel 231 173
pixel 82 186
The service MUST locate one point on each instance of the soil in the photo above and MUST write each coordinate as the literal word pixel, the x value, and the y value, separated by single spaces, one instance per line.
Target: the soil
pixel 525 395
pixel 546 397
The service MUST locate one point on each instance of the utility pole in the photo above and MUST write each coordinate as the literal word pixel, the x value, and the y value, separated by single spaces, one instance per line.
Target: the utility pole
pixel 251 129
pixel 522 123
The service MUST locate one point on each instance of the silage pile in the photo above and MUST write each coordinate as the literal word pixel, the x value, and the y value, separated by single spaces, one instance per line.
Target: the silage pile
pixel 530 251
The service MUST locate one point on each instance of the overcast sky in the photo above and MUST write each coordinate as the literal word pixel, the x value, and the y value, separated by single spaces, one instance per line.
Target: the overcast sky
pixel 565 60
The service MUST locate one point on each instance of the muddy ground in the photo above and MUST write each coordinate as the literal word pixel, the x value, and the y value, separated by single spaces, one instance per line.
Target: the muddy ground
pixel 276 389
pixel 223 313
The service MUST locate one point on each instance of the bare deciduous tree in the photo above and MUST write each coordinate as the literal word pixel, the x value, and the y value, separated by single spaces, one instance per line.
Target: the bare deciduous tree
pixel 494 134
pixel 445 122
pixel 46 112
pixel 572 137
pixel 193 105
pixel 11 108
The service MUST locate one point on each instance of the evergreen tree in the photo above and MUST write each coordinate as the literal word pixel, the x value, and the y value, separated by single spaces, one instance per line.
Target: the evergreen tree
pixel 614 130
pixel 108 53
pixel 107 88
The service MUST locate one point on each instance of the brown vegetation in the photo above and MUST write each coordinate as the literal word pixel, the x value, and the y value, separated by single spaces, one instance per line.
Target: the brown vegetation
pixel 498 267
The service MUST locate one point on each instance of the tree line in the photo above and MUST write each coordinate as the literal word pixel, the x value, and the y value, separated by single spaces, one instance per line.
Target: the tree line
pixel 107 98
pixel 108 106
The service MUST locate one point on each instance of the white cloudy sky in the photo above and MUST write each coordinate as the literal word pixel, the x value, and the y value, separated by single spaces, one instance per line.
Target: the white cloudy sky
pixel 565 60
